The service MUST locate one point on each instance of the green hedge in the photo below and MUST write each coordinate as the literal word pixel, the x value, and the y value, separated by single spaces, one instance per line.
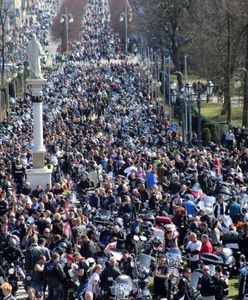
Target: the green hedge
pixel 214 127
pixel 206 136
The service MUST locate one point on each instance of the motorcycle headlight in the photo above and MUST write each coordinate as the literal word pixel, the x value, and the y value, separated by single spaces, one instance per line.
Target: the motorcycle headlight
pixel 11 271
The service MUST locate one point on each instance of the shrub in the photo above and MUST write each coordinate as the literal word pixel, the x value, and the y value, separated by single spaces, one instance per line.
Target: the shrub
pixel 206 136
pixel 214 130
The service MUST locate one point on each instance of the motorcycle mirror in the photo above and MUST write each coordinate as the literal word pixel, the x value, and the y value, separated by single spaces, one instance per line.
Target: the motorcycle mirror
pixel 143 238
pixel 136 238
pixel 11 271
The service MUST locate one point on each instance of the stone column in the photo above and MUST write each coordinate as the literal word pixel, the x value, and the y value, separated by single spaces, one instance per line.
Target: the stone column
pixel 39 174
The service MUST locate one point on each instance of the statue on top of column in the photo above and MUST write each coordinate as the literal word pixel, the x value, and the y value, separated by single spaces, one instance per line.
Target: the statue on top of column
pixel 34 53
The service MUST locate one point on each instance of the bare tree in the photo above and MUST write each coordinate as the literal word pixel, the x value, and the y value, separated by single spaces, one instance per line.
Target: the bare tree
pixel 3 23
pixel 218 27
pixel 164 26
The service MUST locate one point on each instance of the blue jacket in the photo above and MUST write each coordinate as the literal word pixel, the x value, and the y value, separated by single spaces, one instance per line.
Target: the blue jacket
pixel 151 179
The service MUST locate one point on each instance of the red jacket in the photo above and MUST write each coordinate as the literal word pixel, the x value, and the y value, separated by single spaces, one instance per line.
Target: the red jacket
pixel 206 248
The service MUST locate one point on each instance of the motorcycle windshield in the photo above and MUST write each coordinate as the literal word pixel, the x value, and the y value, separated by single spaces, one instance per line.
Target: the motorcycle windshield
pixel 174 252
pixel 196 275
pixel 105 213
pixel 123 286
pixel 144 260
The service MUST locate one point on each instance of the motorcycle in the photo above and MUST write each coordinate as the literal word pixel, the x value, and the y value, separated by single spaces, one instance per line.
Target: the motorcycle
pixel 14 274
pixel 123 287
pixel 196 275
pixel 102 216
pixel 174 262
pixel 243 282
pixel 154 247
pixel 207 204
pixel 223 257
pixel 174 258
pixel 144 267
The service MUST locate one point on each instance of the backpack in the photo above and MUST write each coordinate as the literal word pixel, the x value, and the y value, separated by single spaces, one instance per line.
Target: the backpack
pixel 50 270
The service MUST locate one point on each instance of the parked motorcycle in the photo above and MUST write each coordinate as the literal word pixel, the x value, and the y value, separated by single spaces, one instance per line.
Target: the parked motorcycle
pixel 144 267
pixel 123 287
pixel 243 281
pixel 14 274
pixel 223 257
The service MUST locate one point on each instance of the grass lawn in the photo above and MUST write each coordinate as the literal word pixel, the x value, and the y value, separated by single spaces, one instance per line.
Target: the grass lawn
pixel 233 288
pixel 212 111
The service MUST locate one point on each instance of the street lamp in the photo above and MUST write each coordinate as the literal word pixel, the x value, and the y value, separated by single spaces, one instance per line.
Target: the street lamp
pixel 126 16
pixel 199 89
pixel 66 18
pixel 173 97
pixel 188 91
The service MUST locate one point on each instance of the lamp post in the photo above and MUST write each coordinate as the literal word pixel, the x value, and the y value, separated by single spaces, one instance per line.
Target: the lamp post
pixel 188 90
pixel 67 19
pixel 245 104
pixel 185 94
pixel 126 16
pixel 168 75
pixel 199 88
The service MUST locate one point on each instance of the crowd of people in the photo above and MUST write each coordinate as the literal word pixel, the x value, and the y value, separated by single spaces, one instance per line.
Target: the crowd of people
pixel 96 39
pixel 111 149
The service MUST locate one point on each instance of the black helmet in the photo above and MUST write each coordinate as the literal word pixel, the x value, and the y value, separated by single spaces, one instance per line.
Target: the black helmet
pixel 126 217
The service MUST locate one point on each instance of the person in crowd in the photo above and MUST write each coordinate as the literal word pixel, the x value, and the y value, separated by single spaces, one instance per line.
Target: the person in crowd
pixel 193 249
pixel 207 284
pixel 119 237
pixel 54 277
pixel 206 245
pixel 190 206
pixel 222 284
pixel 111 272
pixel 37 280
pixel 32 255
pixel 185 290
pixel 94 282
pixel 82 274
pixel 89 296
pixel 220 207
pixel 234 210
pixel 88 247
pixel 7 291
pixel 161 276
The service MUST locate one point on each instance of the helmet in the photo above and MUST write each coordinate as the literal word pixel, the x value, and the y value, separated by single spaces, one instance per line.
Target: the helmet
pixel 91 263
pixel 126 217
pixel 156 242
pixel 13 242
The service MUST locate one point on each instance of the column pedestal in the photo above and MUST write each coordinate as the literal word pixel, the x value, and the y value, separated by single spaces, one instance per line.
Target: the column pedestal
pixel 39 174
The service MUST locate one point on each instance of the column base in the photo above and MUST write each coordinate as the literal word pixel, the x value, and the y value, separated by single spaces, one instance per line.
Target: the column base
pixel 41 176
pixel 38 160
